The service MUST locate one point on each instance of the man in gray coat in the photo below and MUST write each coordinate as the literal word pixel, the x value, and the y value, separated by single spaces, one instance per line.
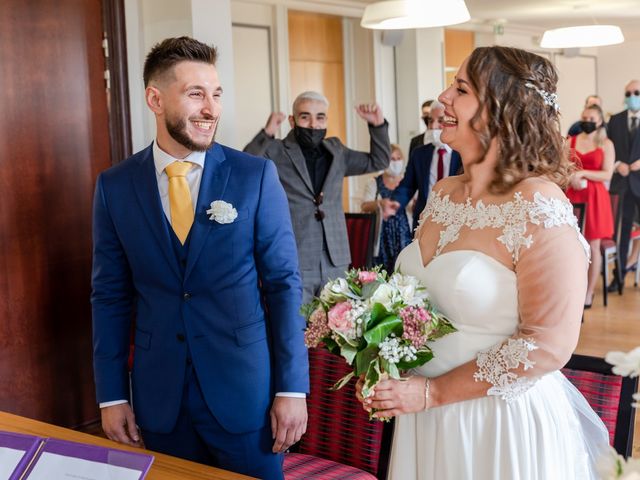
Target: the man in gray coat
pixel 311 169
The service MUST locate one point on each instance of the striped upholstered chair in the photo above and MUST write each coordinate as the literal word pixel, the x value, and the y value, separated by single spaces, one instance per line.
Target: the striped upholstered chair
pixel 361 228
pixel 610 395
pixel 341 442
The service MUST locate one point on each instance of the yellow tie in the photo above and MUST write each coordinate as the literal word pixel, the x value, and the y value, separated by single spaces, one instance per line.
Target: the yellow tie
pixel 180 199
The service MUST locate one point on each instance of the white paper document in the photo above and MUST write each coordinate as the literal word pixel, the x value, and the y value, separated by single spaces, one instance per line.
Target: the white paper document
pixel 9 459
pixel 60 467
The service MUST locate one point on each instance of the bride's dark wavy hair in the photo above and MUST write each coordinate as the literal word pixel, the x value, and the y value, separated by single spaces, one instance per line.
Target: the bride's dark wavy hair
pixel 527 130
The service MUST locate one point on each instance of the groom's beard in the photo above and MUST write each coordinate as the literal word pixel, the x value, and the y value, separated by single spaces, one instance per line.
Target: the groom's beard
pixel 178 131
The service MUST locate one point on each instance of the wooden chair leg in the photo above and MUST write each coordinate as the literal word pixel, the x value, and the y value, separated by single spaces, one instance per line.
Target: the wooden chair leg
pixel 605 279
pixel 619 275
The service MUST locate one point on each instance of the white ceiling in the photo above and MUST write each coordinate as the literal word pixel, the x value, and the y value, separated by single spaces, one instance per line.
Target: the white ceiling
pixel 554 13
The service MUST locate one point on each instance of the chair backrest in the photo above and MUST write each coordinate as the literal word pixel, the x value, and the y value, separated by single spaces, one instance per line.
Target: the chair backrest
pixel 580 211
pixel 361 232
pixel 338 428
pixel 609 395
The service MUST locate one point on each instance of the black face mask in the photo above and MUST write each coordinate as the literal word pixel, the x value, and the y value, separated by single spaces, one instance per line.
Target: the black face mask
pixel 588 127
pixel 309 137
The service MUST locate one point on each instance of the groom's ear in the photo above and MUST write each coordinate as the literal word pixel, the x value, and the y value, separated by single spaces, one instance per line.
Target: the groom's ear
pixel 153 97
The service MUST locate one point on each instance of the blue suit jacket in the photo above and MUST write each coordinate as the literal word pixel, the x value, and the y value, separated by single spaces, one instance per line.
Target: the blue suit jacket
pixel 416 177
pixel 215 311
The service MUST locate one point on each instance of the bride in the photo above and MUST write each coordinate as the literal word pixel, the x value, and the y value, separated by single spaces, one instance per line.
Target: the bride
pixel 501 255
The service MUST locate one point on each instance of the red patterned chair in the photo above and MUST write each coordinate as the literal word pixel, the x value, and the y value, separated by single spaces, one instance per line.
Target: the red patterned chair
pixel 361 229
pixel 341 442
pixel 610 395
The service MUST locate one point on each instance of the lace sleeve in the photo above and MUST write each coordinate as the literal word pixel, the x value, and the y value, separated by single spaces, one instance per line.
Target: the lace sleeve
pixel 551 271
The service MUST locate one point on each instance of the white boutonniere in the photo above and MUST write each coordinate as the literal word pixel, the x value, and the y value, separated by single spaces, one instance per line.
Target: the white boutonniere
pixel 222 212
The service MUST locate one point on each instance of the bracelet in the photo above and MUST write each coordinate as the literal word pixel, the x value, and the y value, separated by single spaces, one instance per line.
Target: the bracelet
pixel 427 386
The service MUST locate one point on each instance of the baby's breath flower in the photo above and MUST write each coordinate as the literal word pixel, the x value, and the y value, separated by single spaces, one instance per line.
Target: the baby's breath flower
pixel 394 350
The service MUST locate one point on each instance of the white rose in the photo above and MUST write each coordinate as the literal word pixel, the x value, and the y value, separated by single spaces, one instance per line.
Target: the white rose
pixel 222 212
pixel 385 294
pixel 409 287
pixel 625 364
pixel 334 290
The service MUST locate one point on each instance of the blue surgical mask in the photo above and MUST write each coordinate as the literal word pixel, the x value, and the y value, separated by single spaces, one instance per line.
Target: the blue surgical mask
pixel 633 102
pixel 395 168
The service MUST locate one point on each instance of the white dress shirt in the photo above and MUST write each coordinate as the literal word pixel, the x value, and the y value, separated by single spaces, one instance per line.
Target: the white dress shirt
pixel 161 160
pixel 631 115
pixel 433 172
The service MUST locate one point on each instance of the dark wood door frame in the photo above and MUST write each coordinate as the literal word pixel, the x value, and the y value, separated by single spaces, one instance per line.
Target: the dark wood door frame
pixel 116 65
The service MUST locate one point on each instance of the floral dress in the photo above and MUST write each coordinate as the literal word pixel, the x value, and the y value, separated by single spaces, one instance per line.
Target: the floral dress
pixel 395 233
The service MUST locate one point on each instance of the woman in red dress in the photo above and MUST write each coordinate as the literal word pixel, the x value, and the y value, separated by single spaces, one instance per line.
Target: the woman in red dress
pixel 594 156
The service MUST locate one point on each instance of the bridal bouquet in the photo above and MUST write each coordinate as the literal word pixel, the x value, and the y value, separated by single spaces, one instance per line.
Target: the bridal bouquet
pixel 380 325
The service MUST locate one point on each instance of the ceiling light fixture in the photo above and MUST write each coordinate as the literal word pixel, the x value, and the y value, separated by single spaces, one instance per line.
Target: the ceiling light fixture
pixel 403 14
pixel 582 36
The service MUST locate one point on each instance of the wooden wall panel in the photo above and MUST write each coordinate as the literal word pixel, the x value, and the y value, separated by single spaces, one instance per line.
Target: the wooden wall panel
pixel 458 45
pixel 316 63
pixel 54 139
pixel 328 79
pixel 315 37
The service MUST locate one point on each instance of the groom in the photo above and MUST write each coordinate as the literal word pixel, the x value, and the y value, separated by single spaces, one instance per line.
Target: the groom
pixel 194 241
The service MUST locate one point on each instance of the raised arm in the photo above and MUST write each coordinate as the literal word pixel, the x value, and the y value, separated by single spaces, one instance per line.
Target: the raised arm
pixel 379 154
pixel 260 143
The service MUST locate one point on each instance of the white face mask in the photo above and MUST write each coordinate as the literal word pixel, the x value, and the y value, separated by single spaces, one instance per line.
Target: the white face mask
pixel 435 135
pixel 395 167
pixel 428 136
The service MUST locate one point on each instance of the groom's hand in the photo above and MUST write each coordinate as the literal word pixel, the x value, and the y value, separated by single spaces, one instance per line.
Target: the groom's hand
pixel 288 422
pixel 119 424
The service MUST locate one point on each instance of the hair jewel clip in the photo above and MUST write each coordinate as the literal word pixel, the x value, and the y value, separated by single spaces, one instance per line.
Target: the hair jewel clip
pixel 550 99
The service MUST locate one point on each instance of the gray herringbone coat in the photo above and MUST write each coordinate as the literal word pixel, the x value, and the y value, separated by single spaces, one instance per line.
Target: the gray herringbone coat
pixel 296 181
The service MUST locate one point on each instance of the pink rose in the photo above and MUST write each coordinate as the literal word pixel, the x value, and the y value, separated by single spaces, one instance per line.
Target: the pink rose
pixel 339 319
pixel 367 277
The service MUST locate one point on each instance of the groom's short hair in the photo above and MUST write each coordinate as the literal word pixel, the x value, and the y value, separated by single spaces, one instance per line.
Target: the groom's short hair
pixel 166 54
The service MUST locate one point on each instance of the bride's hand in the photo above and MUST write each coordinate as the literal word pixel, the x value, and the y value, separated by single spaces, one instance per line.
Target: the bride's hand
pixel 395 397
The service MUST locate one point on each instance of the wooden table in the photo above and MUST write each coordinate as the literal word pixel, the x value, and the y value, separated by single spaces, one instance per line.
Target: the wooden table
pixel 164 467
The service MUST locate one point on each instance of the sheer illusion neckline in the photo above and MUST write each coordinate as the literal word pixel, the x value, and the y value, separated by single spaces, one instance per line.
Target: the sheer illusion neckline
pixel 510 219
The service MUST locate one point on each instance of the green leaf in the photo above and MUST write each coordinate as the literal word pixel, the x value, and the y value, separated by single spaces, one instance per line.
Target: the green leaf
pixel 308 308
pixel 331 345
pixel 364 359
pixel 442 327
pixel 378 313
pixel 368 289
pixel 349 352
pixel 393 371
pixel 390 324
pixel 423 356
pixel 371 378
pixel 343 381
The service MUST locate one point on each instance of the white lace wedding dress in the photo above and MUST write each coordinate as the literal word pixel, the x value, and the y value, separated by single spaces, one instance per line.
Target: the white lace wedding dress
pixel 502 275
